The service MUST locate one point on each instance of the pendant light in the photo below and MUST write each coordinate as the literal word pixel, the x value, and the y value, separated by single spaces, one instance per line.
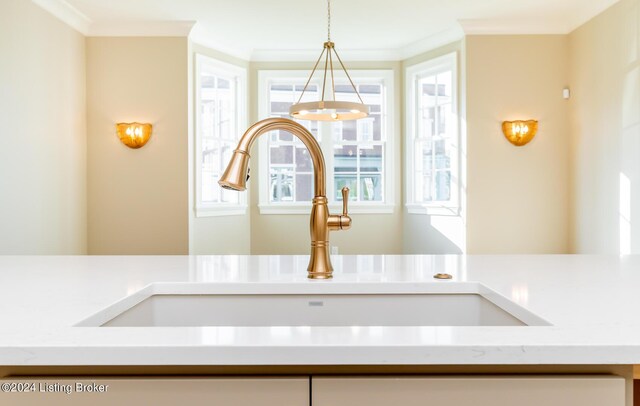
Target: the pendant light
pixel 329 110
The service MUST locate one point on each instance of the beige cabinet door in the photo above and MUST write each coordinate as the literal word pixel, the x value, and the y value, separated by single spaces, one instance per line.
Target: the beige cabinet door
pixel 544 390
pixel 155 391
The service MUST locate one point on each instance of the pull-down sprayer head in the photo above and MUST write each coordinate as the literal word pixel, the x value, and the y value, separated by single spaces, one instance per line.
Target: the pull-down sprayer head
pixel 236 175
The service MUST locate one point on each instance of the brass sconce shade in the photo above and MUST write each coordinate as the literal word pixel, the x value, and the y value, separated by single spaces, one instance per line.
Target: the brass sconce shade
pixel 134 135
pixel 520 132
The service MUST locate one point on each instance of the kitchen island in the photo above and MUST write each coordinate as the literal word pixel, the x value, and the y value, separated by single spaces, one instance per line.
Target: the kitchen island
pixel 587 309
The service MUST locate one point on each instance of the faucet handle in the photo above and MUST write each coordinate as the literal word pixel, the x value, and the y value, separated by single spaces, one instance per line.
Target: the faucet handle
pixel 345 201
pixel 341 222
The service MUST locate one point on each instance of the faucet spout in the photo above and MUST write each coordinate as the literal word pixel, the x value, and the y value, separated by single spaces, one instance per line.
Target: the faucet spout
pixel 236 175
pixel 239 163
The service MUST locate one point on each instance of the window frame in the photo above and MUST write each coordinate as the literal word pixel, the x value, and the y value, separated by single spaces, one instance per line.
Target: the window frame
pixel 414 73
pixel 239 75
pixel 387 206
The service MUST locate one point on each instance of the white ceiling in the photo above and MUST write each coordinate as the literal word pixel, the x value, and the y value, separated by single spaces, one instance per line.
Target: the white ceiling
pixel 365 29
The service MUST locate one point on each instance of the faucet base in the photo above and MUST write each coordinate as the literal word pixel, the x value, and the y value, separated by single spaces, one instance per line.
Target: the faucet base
pixel 316 275
pixel 319 262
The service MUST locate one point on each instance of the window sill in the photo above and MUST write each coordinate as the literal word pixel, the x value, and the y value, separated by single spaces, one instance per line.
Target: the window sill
pixel 433 210
pixel 215 211
pixel 305 208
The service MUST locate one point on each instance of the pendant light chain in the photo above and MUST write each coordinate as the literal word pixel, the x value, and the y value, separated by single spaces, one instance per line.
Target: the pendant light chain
pixel 329 20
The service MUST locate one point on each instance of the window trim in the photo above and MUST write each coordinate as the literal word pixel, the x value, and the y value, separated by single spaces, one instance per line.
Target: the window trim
pixel 387 206
pixel 412 73
pixel 240 74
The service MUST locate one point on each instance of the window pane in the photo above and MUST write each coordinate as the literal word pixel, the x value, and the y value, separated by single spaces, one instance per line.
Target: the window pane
pixel 311 94
pixel 282 154
pixel 424 156
pixel 441 158
pixel 443 118
pixel 350 181
pixel 304 186
pixel 426 186
pixel 377 127
pixel 276 87
pixel 207 81
pixel 442 185
pixel 210 155
pixel 284 136
pixel 303 160
pixel 345 158
pixel 444 87
pixel 365 129
pixel 281 185
pixel 371 187
pixel 371 89
pixel 344 89
pixel 279 107
pixel 210 188
pixel 227 152
pixel 223 83
pixel 371 158
pixel 349 130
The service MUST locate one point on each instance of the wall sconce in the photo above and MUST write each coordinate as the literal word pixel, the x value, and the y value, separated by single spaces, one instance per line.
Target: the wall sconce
pixel 134 135
pixel 520 132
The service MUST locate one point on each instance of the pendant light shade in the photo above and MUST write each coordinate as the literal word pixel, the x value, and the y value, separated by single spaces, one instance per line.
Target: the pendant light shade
pixel 331 109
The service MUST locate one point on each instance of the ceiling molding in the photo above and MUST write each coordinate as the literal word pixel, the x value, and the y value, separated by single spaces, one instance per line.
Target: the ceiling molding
pixel 432 42
pixel 559 23
pixel 515 27
pixel 306 55
pixel 66 13
pixel 415 48
pixel 141 29
pixel 200 37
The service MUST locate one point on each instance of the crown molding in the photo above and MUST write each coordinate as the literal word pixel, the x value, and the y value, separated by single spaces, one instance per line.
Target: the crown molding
pixel 66 13
pixel 202 38
pixel 307 55
pixel 141 29
pixel 83 24
pixel 432 42
pixel 415 48
pixel 511 27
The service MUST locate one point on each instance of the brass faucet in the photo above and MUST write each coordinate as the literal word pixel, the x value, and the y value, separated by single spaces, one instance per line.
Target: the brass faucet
pixel 236 175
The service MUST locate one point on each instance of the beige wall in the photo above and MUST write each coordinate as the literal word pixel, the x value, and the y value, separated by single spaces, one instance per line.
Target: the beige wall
pixel 289 234
pixel 433 233
pixel 138 199
pixel 217 234
pixel 42 133
pixel 605 118
pixel 67 185
pixel 518 199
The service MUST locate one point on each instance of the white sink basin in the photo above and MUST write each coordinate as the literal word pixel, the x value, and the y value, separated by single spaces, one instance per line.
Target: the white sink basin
pixel 459 304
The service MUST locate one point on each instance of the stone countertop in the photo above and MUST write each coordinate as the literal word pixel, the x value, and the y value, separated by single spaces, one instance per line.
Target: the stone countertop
pixel 591 302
